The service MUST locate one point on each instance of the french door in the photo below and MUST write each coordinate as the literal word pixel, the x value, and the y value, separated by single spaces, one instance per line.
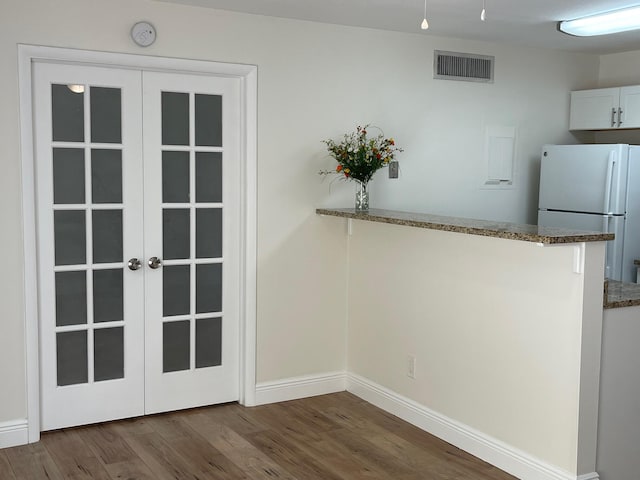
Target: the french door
pixel 137 181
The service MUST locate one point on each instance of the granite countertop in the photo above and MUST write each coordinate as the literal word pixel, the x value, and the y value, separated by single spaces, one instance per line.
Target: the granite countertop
pixel 512 231
pixel 618 294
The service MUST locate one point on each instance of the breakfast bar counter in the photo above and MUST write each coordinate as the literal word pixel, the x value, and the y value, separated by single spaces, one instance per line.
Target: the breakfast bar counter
pixel 487 228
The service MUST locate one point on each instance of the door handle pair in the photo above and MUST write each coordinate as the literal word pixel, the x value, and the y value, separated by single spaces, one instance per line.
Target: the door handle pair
pixel 135 264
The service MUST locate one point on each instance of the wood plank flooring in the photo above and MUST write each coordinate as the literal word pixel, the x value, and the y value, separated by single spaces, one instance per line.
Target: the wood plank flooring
pixel 330 437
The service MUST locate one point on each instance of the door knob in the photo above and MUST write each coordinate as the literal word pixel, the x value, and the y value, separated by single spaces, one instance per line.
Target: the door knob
pixel 134 264
pixel 155 262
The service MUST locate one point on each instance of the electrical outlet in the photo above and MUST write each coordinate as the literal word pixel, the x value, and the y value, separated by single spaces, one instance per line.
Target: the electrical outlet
pixel 411 366
pixel 393 169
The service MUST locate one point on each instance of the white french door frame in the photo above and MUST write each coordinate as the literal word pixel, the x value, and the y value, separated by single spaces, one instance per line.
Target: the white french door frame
pixel 247 74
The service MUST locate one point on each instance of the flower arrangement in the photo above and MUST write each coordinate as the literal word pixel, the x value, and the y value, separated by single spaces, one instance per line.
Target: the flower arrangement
pixel 360 156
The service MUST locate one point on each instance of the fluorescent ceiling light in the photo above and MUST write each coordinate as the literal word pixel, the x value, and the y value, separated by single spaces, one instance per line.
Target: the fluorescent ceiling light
pixel 603 23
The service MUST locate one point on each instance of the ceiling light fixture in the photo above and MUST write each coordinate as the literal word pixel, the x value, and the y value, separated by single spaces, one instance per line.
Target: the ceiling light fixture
pixel 605 23
pixel 424 25
pixel 483 13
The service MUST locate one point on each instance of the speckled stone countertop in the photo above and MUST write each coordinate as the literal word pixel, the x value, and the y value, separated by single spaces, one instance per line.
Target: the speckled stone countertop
pixel 486 228
pixel 618 294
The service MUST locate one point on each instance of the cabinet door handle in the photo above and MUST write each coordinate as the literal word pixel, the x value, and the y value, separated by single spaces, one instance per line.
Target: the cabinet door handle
pixel 613 117
pixel 620 112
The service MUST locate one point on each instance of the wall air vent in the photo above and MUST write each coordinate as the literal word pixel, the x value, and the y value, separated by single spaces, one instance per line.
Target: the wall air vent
pixel 463 66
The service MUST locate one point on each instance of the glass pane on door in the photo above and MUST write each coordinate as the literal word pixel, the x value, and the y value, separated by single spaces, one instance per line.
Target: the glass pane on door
pixel 175 177
pixel 107 236
pixel 208 232
pixel 208 120
pixel 176 233
pixel 67 108
pixel 71 298
pixel 68 175
pixel 176 290
pixel 72 357
pixel 175 118
pixel 106 117
pixel 108 295
pixel 176 346
pixel 208 342
pixel 108 347
pixel 209 288
pixel 209 177
pixel 106 175
pixel 70 237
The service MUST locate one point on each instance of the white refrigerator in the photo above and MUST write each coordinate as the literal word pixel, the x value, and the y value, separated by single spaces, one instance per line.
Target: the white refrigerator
pixel 596 188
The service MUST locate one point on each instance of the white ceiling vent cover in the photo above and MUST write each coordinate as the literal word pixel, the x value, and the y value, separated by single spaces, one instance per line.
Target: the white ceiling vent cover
pixel 463 66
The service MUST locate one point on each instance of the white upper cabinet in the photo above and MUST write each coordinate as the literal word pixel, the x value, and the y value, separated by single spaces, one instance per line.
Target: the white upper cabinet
pixel 630 105
pixel 605 108
pixel 594 109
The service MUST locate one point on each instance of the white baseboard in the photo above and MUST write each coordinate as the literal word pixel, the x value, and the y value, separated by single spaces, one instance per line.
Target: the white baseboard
pixel 491 450
pixel 299 387
pixel 14 433
pixel 589 476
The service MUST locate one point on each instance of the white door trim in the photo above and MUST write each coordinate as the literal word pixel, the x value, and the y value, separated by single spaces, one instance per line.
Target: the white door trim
pixel 27 54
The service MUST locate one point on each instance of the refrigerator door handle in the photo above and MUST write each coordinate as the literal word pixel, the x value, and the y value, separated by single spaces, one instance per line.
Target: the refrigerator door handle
pixel 608 182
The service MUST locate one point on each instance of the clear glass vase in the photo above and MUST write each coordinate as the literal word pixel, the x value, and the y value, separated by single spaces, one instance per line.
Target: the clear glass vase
pixel 362 197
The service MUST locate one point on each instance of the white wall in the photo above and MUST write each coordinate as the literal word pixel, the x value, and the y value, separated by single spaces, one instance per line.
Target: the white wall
pixel 497 328
pixel 315 81
pixel 619 69
pixel 444 133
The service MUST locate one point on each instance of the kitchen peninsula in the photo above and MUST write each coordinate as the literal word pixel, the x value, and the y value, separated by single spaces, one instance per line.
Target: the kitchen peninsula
pixel 486 334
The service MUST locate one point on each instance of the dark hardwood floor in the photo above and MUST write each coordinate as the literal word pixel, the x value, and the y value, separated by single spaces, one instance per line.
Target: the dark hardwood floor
pixel 330 437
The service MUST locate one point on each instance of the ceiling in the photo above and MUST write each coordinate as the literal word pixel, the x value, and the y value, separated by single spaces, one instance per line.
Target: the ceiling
pixel 522 22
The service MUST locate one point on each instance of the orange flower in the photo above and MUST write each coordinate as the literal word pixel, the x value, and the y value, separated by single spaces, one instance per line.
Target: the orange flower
pixel 339 168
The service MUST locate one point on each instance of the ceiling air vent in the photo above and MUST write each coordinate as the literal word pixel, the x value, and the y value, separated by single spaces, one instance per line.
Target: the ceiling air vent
pixel 463 66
